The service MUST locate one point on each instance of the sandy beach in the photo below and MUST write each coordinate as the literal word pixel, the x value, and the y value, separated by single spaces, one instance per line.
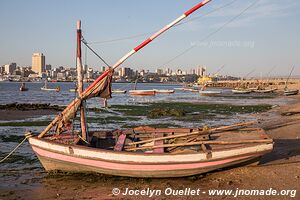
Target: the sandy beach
pixel 278 170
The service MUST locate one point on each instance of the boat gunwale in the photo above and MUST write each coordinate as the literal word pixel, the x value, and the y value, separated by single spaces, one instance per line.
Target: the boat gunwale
pixel 253 154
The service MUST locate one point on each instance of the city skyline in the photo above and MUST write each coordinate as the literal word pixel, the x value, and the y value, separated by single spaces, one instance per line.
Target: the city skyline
pixel 265 36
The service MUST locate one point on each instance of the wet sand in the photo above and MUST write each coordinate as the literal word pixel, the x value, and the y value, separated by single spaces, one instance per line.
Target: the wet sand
pixel 279 170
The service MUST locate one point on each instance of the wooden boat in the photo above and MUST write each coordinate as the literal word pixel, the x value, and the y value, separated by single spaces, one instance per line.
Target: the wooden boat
pixel 142 92
pixel 291 92
pixel 117 91
pixel 211 93
pixel 23 88
pixel 68 153
pixel 164 91
pixel 241 91
pixel 45 87
pixel 141 151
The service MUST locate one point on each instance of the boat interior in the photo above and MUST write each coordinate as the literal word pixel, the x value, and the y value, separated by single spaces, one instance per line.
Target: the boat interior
pixel 166 140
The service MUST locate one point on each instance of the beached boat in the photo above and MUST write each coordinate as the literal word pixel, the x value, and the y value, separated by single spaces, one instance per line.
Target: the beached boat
pixel 287 91
pixel 46 88
pixel 264 90
pixel 23 88
pixel 141 151
pixel 67 152
pixel 290 92
pixel 117 91
pixel 142 92
pixel 164 91
pixel 241 91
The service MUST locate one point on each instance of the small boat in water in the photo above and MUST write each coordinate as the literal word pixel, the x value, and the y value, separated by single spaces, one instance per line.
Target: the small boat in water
pixel 45 87
pixel 142 92
pixel 23 88
pixel 210 93
pixel 290 92
pixel 118 91
pixel 164 91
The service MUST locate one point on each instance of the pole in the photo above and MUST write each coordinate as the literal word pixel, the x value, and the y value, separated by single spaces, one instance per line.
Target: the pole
pixel 80 81
pixel 133 51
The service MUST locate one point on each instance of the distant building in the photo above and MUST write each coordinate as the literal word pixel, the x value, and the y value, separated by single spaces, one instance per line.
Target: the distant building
pixel 48 67
pixel 38 63
pixel 102 69
pixel 90 73
pixel 10 68
pixel 159 71
pixel 200 71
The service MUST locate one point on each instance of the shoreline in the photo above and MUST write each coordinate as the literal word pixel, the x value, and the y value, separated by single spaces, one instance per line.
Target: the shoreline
pixel 278 170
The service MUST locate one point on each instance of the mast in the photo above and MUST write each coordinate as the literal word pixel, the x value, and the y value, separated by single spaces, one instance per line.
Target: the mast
pixel 117 64
pixel 80 81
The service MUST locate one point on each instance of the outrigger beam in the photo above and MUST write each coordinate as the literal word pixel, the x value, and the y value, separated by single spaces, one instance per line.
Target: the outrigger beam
pixel 125 57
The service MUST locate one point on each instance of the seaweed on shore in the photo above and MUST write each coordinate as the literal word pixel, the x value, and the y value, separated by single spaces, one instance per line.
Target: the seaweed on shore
pixel 184 109
pixel 25 123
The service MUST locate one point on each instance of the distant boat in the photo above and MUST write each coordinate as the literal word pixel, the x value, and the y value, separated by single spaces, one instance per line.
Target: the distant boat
pixel 72 90
pixel 118 91
pixel 142 92
pixel 164 91
pixel 210 93
pixel 264 90
pixel 45 87
pixel 291 92
pixel 23 88
pixel 241 91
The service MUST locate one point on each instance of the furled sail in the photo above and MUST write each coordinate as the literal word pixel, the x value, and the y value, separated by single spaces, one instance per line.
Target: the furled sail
pixel 100 89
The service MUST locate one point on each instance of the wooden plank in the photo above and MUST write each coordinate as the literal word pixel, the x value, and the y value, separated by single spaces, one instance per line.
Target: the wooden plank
pixel 120 143
pixel 158 143
pixel 266 141
pixel 223 128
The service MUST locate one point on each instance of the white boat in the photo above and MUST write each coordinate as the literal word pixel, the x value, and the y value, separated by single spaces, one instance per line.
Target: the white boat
pixel 45 87
pixel 241 91
pixel 264 90
pixel 164 91
pixel 117 91
pixel 210 93
pixel 291 92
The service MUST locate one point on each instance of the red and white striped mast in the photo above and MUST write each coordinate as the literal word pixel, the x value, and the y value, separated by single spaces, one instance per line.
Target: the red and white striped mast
pixel 133 51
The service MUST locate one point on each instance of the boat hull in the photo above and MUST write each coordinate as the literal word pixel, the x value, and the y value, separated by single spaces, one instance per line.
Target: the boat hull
pixel 291 92
pixel 76 158
pixel 241 91
pixel 142 92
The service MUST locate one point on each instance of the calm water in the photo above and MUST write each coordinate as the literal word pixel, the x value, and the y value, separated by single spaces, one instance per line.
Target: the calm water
pixel 24 170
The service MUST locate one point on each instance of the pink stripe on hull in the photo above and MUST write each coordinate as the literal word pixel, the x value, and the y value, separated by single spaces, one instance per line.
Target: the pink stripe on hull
pixel 132 167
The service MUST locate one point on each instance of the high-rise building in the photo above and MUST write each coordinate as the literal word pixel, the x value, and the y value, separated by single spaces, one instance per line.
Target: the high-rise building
pixel 10 68
pixel 200 71
pixel 38 63
pixel 159 71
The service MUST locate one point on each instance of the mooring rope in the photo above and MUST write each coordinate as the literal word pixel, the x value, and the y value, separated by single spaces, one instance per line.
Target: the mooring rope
pixel 27 135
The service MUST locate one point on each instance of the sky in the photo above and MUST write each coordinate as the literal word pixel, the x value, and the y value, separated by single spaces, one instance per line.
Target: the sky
pixel 224 32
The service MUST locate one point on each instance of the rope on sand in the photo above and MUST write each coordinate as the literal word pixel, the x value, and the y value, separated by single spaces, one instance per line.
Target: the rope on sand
pixel 27 135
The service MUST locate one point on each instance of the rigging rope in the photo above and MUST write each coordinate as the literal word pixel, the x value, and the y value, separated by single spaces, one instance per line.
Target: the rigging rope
pixel 147 33
pixel 86 44
pixel 212 33
pixel 27 135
